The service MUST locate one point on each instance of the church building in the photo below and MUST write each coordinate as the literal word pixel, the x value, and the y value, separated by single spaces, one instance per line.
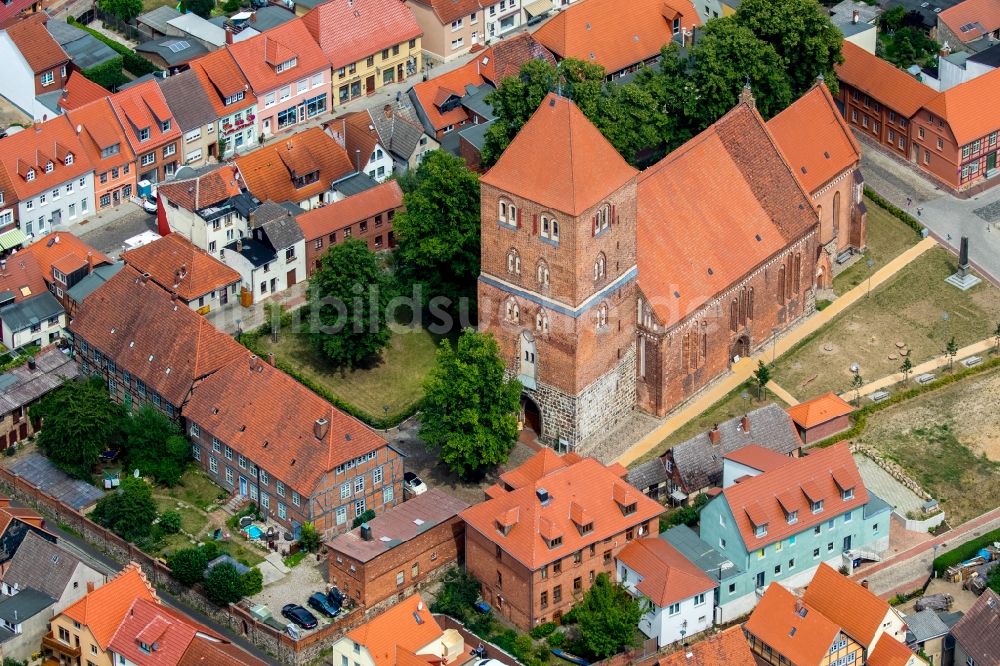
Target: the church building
pixel 609 289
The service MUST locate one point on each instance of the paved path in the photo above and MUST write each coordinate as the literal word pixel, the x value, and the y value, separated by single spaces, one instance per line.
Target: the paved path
pixel 981 348
pixel 741 371
pixel 781 393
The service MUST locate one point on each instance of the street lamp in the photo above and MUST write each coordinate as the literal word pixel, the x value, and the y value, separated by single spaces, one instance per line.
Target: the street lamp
pixel 746 400
pixel 871 263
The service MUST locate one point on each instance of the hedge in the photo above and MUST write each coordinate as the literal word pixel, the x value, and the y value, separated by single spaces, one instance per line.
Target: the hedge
pixel 132 61
pixel 896 212
pixel 251 339
pixel 964 552
pixel 108 75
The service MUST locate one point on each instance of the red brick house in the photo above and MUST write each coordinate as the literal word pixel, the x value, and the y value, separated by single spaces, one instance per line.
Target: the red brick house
pixel 261 434
pixel 545 532
pixel 367 215
pixel 821 417
pixel 397 552
pixel 151 130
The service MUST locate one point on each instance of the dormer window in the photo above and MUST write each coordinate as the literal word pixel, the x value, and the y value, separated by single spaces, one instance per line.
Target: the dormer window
pixel 677 25
pixel 817 506
pixel 288 64
pixel 587 529
pixel 847 494
pixel 113 149
pixel 49 167
pixel 555 542
pixel 69 159
pixel 165 125
pixel 504 529
pixel 144 134
pixel 307 179
pixel 30 176
pixel 233 99
pixel 761 531
pixel 629 509
pixel 792 517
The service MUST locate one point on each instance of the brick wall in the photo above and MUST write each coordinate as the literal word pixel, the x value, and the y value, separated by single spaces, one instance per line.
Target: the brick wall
pixel 377 233
pixel 373 584
pixel 828 429
pixel 874 119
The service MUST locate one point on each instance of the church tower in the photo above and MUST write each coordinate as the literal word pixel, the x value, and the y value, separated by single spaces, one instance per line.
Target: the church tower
pixel 557 287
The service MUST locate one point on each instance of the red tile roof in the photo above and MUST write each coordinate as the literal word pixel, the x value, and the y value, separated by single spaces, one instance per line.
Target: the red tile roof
pixel 683 259
pixel 269 170
pixel 540 464
pixel 202 191
pixel 890 652
pixel 726 648
pixel 572 146
pixel 819 410
pixel 80 90
pixel 149 623
pixel 63 246
pixel 814 138
pixel 178 265
pixel 258 57
pixel 270 418
pixel 758 457
pixel 319 222
pixel 221 77
pixel 859 612
pixel 103 609
pixel 41 51
pixel 52 142
pixel 600 494
pixel 667 576
pixel 966 107
pixel 597 32
pixel 143 106
pixel 101 130
pixel 449 10
pixel 23 276
pixel 9 11
pixel 978 17
pixel 166 345
pixel 792 628
pixel 791 488
pixel 397 628
pixel 205 652
pixel 351 31
pixel 506 57
pixel 357 133
pixel 878 78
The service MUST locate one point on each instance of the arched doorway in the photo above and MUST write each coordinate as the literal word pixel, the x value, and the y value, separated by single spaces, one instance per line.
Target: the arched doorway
pixel 741 348
pixel 531 415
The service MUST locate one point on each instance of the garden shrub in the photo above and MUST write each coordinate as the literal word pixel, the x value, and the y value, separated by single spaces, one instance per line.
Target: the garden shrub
pixel 964 552
pixel 170 522
pixel 543 630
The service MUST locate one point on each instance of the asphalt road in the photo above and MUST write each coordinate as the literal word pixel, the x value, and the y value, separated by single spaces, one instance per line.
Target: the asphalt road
pixel 109 236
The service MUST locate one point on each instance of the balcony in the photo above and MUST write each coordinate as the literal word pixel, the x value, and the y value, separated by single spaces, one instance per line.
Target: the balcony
pixel 50 642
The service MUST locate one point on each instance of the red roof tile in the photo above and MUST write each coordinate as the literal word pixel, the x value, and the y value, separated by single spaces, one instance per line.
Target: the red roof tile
pixel 52 142
pixel 506 57
pixel 589 484
pixel 165 345
pixel 534 468
pixel 859 612
pixel 890 652
pixel 221 78
pixel 80 90
pixel 147 622
pixel 759 457
pixel 270 418
pixel 205 652
pixel 449 10
pixel 814 138
pixel 793 629
pixel 62 246
pixel 103 609
pixel 143 106
pixel 597 32
pixel 572 146
pixel 397 628
pixel 977 17
pixel 321 221
pixel 967 107
pixel 23 276
pixel 726 648
pixel 351 31
pixel 683 259
pixel 820 409
pixel 258 57
pixel 101 130
pixel 269 170
pixel 41 51
pixel 202 191
pixel 177 265
pixel 9 11
pixel 667 576
pixel 882 81
pixel 813 476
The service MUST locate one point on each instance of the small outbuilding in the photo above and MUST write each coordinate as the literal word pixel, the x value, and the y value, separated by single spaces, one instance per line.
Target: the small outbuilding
pixel 821 417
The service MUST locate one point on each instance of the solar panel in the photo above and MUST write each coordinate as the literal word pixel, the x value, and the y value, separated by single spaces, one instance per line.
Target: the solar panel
pixel 177 47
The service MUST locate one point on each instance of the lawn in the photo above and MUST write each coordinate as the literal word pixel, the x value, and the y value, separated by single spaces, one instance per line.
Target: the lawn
pixel 197 489
pixel 888 237
pixel 949 441
pixel 193 520
pixel 395 382
pixel 908 309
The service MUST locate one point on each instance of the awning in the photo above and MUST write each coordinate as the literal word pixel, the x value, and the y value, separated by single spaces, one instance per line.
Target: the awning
pixel 11 239
pixel 678 496
pixel 538 8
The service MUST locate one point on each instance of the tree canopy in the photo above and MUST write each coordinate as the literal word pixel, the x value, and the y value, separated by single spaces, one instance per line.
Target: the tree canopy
pixel 126 10
pixel 79 422
pixel 470 410
pixel 348 296
pixel 224 584
pixel 607 616
pixel 438 233
pixel 202 8
pixel 188 565
pixel 154 445
pixel 130 511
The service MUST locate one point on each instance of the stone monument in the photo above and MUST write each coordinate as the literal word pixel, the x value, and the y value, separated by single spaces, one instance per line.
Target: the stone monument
pixel 963 279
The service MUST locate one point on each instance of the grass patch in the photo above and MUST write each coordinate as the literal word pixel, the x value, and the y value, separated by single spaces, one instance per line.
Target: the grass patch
pixel 241 552
pixel 295 559
pixel 887 237
pixel 823 304
pixel 396 381
pixel 193 521
pixel 907 309
pixel 197 489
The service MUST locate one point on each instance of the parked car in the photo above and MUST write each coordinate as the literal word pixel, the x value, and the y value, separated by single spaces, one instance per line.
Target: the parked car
pixel 321 603
pixel 414 484
pixel 299 616
pixel 149 203
pixel 336 597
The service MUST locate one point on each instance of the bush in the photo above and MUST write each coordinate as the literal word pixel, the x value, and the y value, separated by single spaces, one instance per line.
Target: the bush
pixel 524 649
pixel 556 640
pixel 108 75
pixel 896 212
pixel 188 565
pixel 253 582
pixel 457 597
pixel 170 522
pixel 543 630
pixel 964 552
pixel 822 304
pixel 129 512
pixel 368 515
pixel 231 6
pixel 309 538
pixel 224 584
pixel 211 549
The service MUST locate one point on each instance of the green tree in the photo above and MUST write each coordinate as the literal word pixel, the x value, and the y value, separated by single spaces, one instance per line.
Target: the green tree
pixel 470 410
pixel 907 46
pixel 253 582
pixel 224 584
pixel 438 233
pixel 78 423
pixel 348 296
pixel 856 383
pixel 994 580
pixel 188 565
pixel 367 515
pixel 458 594
pixel 153 444
pixel 633 122
pixel 170 522
pixel 674 91
pixel 202 8
pixel 607 617
pixel 951 351
pixel 906 368
pixel 801 33
pixel 130 511
pixel 761 376
pixel 892 19
pixel 309 537
pixel 126 10
pixel 725 58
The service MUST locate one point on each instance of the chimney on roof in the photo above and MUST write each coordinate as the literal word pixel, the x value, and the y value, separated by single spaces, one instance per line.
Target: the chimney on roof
pixel 799 607
pixel 945 50
pixel 90 262
pixel 357 160
pixel 184 268
pixel 31 363
pixel 253 361
pixel 90 586
pixel 145 278
pixel 745 424
pixel 714 435
pixel 746 95
pixel 366 532
pixel 253 17
pixel 864 583
pixel 173 297
pixel 270 357
pixel 229 34
pixel 320 428
pixel 239 244
pixel 855 17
